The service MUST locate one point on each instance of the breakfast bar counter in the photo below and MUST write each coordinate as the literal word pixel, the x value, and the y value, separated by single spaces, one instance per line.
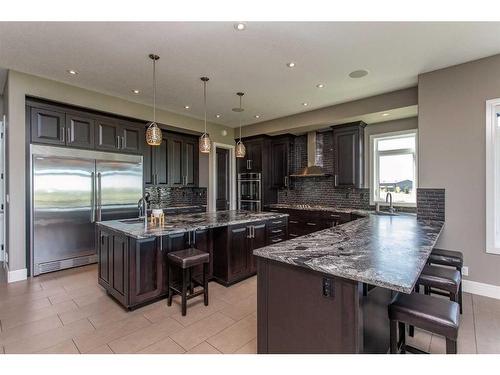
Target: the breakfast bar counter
pixel 328 292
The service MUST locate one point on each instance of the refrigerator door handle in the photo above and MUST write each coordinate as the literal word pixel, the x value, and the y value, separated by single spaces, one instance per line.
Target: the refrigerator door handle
pixel 92 197
pixel 99 197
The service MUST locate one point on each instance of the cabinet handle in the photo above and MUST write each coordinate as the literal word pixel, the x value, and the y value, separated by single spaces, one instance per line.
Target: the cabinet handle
pixel 312 224
pixel 194 237
pixel 335 180
pixel 276 231
pixel 249 229
pixel 293 222
pixel 286 181
pixel 63 135
pixel 68 138
pixel 122 142
pixel 276 240
pixel 250 163
pixel 276 222
pixel 118 142
pixel 293 235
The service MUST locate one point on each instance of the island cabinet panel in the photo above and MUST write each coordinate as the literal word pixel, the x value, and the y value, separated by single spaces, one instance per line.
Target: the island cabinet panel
pixel 238 258
pixel 147 266
pixel 323 314
pixel 113 258
pixel 258 239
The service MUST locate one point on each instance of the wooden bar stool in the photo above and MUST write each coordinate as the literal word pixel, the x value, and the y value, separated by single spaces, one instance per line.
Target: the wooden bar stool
pixel 432 314
pixel 187 259
pixel 448 258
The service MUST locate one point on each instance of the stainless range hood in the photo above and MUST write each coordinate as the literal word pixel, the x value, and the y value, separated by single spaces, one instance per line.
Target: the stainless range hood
pixel 314 158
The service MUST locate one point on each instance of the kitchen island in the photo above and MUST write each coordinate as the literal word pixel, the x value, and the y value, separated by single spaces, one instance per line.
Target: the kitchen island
pixel 132 253
pixel 328 292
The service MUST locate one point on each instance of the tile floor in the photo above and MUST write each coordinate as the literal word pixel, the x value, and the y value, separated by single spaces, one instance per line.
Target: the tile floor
pixel 67 312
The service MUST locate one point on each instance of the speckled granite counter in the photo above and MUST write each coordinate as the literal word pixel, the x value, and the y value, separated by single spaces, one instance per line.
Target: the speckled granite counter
pixel 386 251
pixel 186 222
pixel 356 211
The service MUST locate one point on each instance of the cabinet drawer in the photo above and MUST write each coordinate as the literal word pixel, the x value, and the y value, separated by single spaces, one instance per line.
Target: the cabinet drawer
pixel 276 231
pixel 277 222
pixel 276 239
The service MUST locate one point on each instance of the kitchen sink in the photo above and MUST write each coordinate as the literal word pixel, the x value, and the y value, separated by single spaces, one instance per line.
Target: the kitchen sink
pixel 385 213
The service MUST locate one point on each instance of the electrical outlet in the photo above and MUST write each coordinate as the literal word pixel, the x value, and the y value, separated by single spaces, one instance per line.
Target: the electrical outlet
pixel 328 287
pixel 465 271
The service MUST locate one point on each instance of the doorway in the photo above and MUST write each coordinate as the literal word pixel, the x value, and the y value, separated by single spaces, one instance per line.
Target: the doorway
pixel 222 179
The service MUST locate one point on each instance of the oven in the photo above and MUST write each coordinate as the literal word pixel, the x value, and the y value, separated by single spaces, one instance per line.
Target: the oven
pixel 249 191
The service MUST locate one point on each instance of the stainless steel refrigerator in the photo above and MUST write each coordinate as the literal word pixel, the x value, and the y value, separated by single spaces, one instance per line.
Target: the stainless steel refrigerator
pixel 71 190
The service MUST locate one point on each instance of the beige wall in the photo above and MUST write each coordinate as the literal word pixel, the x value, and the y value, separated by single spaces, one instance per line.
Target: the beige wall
pixel 452 128
pixel 380 128
pixel 20 85
pixel 402 101
pixel 1 105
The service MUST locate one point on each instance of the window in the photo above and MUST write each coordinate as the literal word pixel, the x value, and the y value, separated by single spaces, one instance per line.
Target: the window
pixel 493 176
pixel 394 167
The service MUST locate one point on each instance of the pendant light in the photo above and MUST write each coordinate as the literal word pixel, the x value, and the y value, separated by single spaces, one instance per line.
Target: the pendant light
pixel 240 147
pixel 153 132
pixel 205 143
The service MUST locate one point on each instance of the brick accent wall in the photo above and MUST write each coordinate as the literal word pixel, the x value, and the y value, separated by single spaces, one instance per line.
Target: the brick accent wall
pixel 431 204
pixel 164 197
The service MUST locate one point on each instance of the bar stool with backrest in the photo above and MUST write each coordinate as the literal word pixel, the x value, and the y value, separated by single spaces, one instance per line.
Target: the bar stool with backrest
pixel 433 314
pixel 187 259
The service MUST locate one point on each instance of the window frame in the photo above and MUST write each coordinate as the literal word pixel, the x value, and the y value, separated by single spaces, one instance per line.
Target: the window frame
pixel 374 171
pixel 492 175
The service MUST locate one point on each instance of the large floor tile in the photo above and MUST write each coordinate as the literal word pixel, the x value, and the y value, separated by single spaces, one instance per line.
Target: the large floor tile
pixel 27 330
pixel 165 346
pixel 241 309
pixel 421 340
pixel 104 349
pixel 198 332
pixel 66 347
pixel 144 337
pixel 203 348
pixel 197 310
pixel 104 304
pixel 248 348
pixel 110 332
pixel 234 337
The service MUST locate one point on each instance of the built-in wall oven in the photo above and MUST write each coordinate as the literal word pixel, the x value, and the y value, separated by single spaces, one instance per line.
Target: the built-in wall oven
pixel 249 191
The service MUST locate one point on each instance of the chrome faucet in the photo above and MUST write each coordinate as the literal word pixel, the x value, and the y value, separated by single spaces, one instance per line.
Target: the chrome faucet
pixel 142 205
pixel 388 197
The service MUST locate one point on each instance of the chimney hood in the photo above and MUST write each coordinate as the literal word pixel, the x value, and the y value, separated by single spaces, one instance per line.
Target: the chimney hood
pixel 314 158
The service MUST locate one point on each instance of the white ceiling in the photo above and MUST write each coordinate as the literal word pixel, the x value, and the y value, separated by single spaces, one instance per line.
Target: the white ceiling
pixel 112 58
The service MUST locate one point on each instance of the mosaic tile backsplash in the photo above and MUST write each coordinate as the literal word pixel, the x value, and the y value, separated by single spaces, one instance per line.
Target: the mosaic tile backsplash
pixel 165 197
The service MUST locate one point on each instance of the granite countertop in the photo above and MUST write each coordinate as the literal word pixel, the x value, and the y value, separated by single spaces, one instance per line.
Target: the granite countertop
pixel 381 250
pixel 187 222
pixel 320 208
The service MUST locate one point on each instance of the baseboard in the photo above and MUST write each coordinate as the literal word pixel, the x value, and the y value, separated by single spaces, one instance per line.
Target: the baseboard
pixel 17 275
pixel 487 290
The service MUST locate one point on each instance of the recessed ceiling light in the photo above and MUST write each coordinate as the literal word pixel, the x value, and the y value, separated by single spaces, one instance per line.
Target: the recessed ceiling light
pixel 290 64
pixel 320 85
pixel 186 107
pixel 257 116
pixel 72 72
pixel 358 73
pixel 136 91
pixel 305 104
pixel 385 114
pixel 240 26
pixel 218 116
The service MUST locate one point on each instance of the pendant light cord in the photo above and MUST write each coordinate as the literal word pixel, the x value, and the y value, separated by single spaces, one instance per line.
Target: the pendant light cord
pixel 240 118
pixel 205 102
pixel 154 90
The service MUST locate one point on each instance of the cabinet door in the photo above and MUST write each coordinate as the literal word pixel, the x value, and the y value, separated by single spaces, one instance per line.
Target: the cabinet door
pixel 47 126
pixel 147 263
pixel 176 161
pixel 107 134
pixel 203 242
pixel 238 251
pixel 148 164
pixel 348 154
pixel 258 240
pixel 80 131
pixel 255 155
pixel 190 161
pixel 119 269
pixel 104 247
pixel 161 163
pixel 175 242
pixel 132 138
pixel 279 171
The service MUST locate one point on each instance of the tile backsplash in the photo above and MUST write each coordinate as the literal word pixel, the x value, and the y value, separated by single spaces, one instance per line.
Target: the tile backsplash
pixel 164 197
pixel 431 204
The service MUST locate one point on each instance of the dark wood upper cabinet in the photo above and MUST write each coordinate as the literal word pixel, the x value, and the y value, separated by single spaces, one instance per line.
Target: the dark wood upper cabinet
pixel 156 164
pixel 191 161
pixel 48 126
pixel 280 161
pixel 131 138
pixel 107 135
pixel 348 143
pixel 80 131
pixel 176 165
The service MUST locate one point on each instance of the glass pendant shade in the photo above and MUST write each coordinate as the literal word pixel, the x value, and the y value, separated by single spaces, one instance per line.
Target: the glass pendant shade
pixel 205 143
pixel 240 150
pixel 153 135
